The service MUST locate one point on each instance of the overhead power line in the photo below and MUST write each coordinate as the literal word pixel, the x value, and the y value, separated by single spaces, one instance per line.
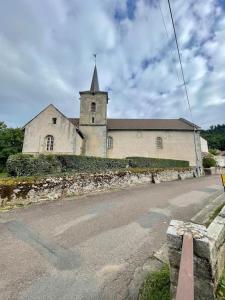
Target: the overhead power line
pixel 179 56
pixel 163 19
pixel 167 34
pixel 185 85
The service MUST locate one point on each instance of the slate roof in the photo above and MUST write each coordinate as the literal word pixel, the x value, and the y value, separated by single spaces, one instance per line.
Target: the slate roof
pixel 146 124
pixel 94 83
pixel 74 121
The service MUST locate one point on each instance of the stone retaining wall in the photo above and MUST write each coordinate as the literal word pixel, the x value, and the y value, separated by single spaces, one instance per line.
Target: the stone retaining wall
pixel 23 191
pixel 213 171
pixel 209 254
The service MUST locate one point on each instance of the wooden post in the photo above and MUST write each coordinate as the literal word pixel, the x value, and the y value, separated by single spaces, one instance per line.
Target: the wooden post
pixel 185 287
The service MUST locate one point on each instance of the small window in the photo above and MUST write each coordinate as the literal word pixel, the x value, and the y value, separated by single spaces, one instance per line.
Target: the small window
pixel 109 142
pixel 93 120
pixel 49 143
pixel 159 142
pixel 54 120
pixel 139 134
pixel 93 107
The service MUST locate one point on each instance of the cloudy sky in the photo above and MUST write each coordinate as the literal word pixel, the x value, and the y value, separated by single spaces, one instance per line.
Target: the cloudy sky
pixel 46 49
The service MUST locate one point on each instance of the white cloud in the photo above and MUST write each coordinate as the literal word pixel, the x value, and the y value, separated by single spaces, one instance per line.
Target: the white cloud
pixel 46 52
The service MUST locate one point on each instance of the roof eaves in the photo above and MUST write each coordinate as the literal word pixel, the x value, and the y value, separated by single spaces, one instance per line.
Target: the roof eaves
pixel 190 123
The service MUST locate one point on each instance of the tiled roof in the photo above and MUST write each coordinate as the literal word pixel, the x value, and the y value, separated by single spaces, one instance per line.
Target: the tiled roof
pixel 74 121
pixel 146 124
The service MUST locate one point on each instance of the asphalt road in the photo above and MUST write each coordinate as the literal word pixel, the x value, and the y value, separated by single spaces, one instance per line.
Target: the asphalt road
pixel 90 246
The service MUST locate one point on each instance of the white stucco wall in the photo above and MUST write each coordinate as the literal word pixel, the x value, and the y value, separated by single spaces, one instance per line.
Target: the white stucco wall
pixel 176 145
pixel 64 133
pixel 204 145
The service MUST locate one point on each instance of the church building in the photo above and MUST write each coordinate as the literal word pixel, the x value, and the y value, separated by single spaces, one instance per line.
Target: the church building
pixel 93 134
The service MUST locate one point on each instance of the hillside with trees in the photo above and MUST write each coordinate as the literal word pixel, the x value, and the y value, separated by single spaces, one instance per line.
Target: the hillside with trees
pixel 215 136
pixel 11 142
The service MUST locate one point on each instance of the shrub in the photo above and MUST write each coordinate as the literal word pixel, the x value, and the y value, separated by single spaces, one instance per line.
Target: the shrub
pixel 26 165
pixel 208 161
pixel 214 151
pixel 145 162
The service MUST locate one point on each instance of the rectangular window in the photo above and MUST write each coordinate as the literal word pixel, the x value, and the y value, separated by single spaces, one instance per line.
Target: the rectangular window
pixel 93 120
pixel 93 107
pixel 159 143
pixel 109 142
pixel 54 120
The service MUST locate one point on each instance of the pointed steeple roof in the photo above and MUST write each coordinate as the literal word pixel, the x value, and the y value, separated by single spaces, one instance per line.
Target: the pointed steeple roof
pixel 94 83
pixel 94 89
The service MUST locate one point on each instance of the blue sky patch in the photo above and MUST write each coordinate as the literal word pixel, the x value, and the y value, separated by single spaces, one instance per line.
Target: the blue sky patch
pixel 222 3
pixel 131 6
pixel 120 15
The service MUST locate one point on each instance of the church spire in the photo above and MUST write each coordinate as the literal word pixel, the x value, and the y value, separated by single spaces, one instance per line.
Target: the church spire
pixel 94 83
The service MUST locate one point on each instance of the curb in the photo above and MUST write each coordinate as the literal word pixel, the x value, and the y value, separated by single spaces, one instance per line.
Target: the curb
pixel 204 216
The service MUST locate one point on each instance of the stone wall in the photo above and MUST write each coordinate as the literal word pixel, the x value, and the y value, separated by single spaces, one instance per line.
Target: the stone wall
pixel 213 171
pixel 95 132
pixel 22 191
pixel 209 254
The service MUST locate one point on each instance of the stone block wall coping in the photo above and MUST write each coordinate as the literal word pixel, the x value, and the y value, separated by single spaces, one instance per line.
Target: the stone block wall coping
pixel 209 254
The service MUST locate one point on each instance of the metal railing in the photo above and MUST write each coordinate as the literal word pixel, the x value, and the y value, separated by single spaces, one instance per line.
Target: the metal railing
pixel 185 285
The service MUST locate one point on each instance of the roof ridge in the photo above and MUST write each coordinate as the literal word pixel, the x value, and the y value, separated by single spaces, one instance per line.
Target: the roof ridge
pixel 160 119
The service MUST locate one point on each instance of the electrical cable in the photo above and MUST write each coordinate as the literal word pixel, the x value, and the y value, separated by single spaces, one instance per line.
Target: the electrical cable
pixel 185 86
pixel 167 34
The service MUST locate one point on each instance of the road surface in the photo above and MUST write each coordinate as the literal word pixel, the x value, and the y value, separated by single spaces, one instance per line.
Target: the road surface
pixel 90 246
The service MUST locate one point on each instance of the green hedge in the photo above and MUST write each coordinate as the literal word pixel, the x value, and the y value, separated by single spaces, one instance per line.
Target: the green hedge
pixel 90 163
pixel 26 165
pixel 145 162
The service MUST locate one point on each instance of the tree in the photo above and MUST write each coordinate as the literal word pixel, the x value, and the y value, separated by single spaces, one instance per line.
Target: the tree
pixel 213 151
pixel 11 142
pixel 215 136
pixel 208 161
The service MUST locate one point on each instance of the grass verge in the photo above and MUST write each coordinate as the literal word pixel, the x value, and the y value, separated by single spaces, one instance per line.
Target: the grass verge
pixel 3 175
pixel 220 295
pixel 156 286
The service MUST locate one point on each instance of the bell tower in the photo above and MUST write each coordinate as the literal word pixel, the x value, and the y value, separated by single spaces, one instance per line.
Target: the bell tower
pixel 93 118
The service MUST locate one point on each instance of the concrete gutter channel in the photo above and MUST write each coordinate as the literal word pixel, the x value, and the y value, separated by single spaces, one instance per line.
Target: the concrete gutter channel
pixel 160 257
pixel 204 215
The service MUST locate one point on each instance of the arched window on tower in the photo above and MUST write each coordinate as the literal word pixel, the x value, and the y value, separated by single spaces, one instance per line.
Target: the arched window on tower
pixel 93 107
pixel 109 142
pixel 159 142
pixel 49 142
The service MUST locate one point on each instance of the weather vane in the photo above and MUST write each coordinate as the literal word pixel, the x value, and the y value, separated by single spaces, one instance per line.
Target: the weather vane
pixel 95 55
